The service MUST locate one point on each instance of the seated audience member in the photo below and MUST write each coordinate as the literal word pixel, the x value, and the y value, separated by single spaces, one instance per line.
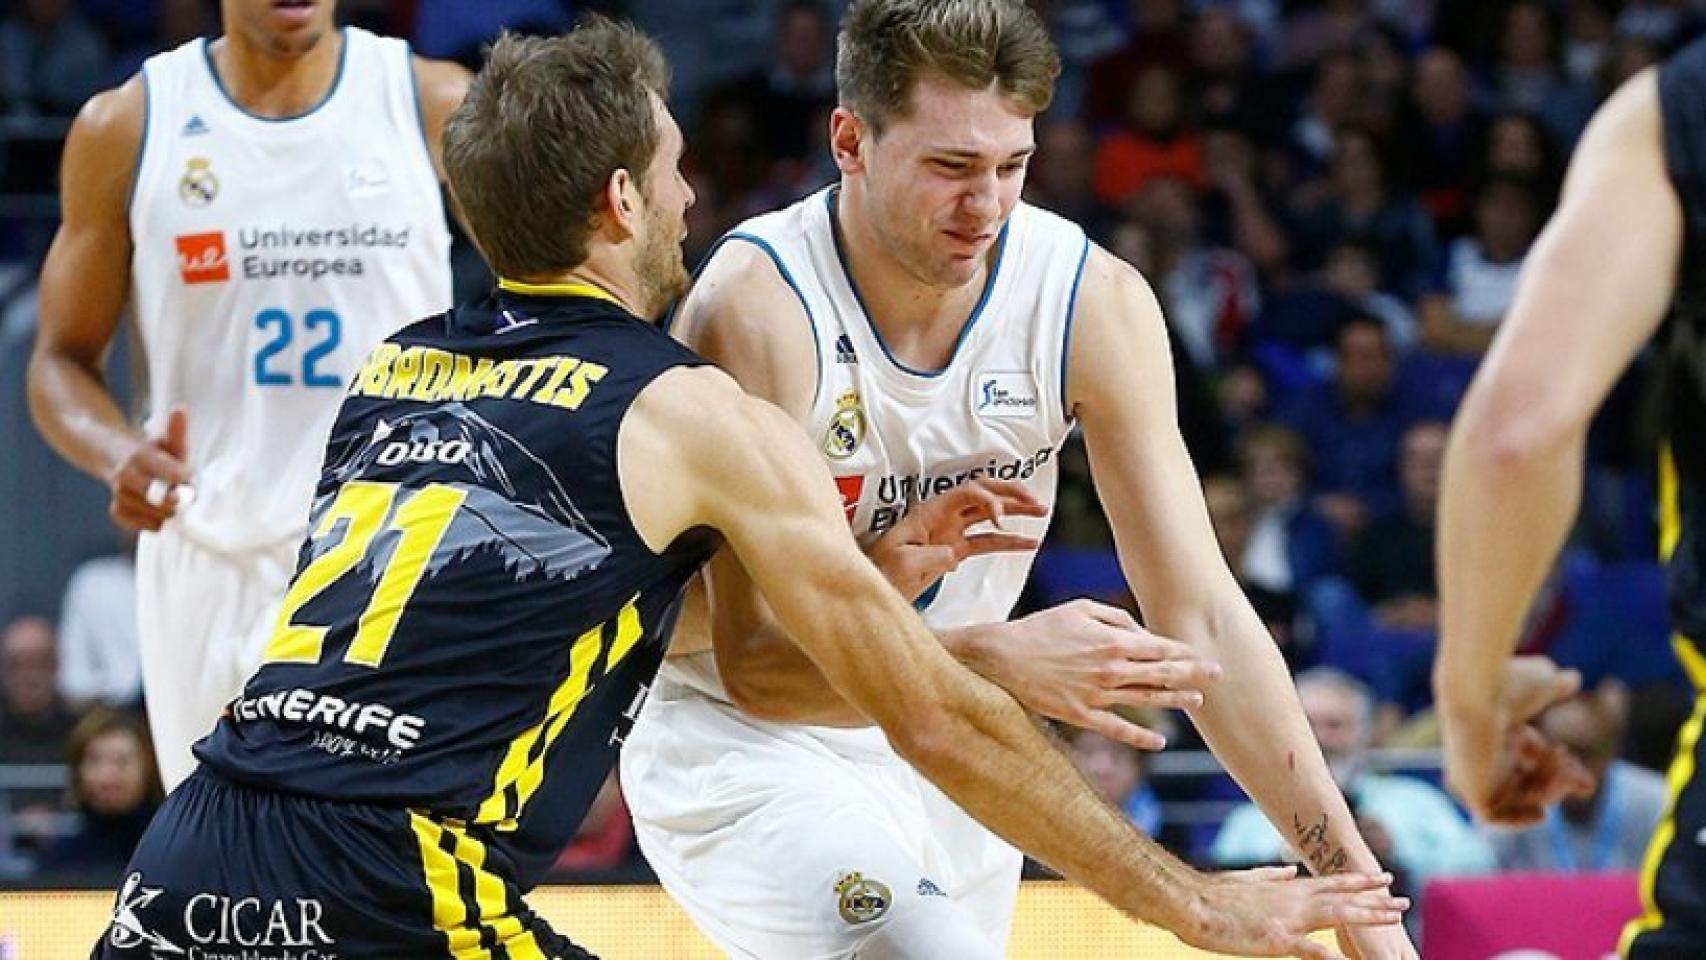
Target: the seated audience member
pixel 1429 837
pixel 1230 511
pixel 1393 564
pixel 1606 831
pixel 115 789
pixel 1353 425
pixel 1290 545
pixel 1117 772
pixel 1478 276
pixel 99 662
pixel 1154 141
pixel 34 723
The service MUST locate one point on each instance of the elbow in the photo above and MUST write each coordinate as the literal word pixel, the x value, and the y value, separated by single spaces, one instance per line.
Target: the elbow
pixel 1500 431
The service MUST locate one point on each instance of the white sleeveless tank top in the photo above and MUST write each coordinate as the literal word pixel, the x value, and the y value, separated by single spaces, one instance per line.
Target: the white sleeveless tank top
pixel 269 257
pixel 894 436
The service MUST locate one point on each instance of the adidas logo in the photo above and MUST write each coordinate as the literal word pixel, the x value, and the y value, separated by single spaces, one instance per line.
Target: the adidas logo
pixel 927 888
pixel 196 127
pixel 844 350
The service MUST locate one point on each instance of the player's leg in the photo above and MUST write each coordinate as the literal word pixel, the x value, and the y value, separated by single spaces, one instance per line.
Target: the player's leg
pixel 202 621
pixel 778 847
pixel 977 869
pixel 1672 925
pixel 225 870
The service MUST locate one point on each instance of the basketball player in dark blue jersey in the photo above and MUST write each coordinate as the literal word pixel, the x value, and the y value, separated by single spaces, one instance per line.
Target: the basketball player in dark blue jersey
pixel 1625 250
pixel 514 494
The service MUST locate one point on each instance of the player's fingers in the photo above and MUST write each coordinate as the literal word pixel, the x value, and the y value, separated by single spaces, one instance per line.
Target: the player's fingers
pixel 1311 950
pixel 1351 882
pixel 1164 674
pixel 131 513
pixel 979 544
pixel 1151 698
pixel 1258 875
pixel 1121 730
pixel 149 462
pixel 176 439
pixel 1364 915
pixel 1111 615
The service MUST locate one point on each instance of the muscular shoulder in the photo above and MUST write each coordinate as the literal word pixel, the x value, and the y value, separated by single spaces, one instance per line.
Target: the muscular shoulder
pixel 102 146
pixel 744 315
pixel 441 85
pixel 1117 322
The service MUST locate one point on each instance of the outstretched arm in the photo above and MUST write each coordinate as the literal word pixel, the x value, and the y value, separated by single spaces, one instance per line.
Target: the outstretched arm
pixel 749 474
pixel 1120 384
pixel 1592 292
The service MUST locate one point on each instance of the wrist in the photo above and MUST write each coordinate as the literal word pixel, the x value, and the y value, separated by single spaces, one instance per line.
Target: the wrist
pixel 976 647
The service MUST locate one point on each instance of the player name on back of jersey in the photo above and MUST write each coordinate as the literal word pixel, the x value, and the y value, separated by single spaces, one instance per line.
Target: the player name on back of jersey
pixel 431 375
pixel 265 253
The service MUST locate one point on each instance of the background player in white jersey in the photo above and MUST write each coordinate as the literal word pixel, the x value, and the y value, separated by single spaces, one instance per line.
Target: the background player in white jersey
pixel 929 331
pixel 268 203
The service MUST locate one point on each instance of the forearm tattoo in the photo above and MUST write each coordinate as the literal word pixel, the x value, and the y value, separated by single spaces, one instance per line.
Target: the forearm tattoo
pixel 1323 856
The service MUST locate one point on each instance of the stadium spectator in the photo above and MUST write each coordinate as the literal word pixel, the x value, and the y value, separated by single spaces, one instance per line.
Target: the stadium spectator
pixel 1358 201
pixel 1607 830
pixel 1429 837
pixel 34 722
pixel 1238 212
pixel 1117 772
pixel 99 661
pixel 1210 294
pixel 1336 99
pixel 1233 516
pixel 51 58
pixel 1444 131
pixel 1154 142
pixel 1518 146
pixel 1589 27
pixel 1158 38
pixel 1529 76
pixel 1290 544
pixel 454 30
pixel 1478 274
pixel 1061 176
pixel 1308 318
pixel 114 791
pixel 1393 564
pixel 1225 82
pixel 795 89
pixel 1353 425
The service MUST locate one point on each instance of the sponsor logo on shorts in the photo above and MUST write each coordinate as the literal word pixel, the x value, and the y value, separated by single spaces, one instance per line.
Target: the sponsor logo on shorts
pixel 201 257
pixel 844 350
pixel 861 899
pixel 217 926
pixel 927 888
pixel 1005 395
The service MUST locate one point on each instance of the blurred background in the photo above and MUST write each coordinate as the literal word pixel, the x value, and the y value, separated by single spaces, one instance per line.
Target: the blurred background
pixel 1332 199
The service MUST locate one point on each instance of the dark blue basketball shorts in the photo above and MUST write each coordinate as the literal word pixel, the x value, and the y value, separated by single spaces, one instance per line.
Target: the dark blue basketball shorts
pixel 226 870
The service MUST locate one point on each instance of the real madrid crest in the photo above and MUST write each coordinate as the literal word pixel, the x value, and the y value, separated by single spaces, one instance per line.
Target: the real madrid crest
pixel 198 186
pixel 846 427
pixel 861 900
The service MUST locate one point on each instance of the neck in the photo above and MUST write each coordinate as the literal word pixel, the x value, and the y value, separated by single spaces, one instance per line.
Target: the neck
pixel 273 85
pixel 594 272
pixel 919 321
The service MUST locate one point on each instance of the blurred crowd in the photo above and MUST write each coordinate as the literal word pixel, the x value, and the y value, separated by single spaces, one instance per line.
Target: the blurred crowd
pixel 1332 201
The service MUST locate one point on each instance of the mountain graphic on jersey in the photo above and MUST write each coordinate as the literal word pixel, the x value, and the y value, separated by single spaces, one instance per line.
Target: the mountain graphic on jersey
pixel 515 509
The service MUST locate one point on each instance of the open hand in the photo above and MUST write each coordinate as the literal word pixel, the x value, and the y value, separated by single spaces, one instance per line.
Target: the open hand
pixel 1270 912
pixel 1078 661
pixel 932 539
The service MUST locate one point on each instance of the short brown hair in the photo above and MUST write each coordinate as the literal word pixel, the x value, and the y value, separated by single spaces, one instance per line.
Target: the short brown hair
pixel 885 45
pixel 545 124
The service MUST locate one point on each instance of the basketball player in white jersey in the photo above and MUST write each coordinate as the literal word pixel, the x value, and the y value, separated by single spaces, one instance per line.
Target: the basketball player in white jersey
pixel 268 203
pixel 930 331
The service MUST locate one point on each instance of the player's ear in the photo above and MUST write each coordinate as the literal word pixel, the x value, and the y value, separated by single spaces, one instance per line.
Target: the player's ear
pixel 622 204
pixel 846 134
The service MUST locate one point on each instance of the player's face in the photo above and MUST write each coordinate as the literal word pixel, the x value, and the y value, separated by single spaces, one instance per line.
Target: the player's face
pixel 663 275
pixel 285 28
pixel 939 184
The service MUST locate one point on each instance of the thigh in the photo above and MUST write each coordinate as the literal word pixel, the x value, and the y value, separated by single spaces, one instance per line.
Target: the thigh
pixel 781 849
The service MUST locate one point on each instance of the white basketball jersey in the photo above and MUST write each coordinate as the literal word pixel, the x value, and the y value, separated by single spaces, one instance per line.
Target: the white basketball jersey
pixel 895 436
pixel 269 257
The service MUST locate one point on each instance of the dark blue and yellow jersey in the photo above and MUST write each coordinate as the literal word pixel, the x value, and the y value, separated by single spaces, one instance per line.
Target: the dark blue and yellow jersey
pixel 473 618
pixel 1682 104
